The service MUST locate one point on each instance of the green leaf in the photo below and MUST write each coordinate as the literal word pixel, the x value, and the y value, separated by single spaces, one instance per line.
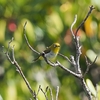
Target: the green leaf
pixel 91 87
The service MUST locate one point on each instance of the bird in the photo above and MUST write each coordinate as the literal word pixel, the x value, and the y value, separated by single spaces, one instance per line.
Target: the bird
pixel 50 52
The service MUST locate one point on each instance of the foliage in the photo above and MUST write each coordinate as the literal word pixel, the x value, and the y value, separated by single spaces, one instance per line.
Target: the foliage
pixel 47 22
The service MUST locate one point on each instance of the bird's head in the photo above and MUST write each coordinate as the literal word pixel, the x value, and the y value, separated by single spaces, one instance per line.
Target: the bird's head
pixel 55 47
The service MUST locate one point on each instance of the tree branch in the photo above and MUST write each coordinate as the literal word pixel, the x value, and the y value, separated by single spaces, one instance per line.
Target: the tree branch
pixel 78 48
pixel 57 92
pixel 71 29
pixel 27 40
pixel 89 64
pixel 78 53
pixel 48 89
pixel 18 68
pixel 51 93
pixel 61 66
pixel 44 92
pixel 91 8
pixel 70 61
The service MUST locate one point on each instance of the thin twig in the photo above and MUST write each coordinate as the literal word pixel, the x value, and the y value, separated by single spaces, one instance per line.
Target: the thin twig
pixel 27 40
pixel 10 43
pixel 51 95
pixel 94 60
pixel 72 58
pixel 47 88
pixel 67 70
pixel 91 8
pixel 75 19
pixel 96 97
pixel 38 90
pixel 66 58
pixel 57 92
pixel 89 64
pixel 7 52
pixel 44 93
pixel 13 56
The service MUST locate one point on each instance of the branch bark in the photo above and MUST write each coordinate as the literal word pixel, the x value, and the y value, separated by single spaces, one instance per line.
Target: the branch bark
pixel 18 68
pixel 78 53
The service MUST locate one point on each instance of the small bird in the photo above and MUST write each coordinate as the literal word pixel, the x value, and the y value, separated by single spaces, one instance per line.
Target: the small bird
pixel 51 52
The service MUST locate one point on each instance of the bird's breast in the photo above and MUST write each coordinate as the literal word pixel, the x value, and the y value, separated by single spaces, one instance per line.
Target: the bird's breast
pixel 50 55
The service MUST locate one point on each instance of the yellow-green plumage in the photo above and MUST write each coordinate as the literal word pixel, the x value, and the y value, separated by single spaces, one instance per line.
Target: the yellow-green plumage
pixel 51 52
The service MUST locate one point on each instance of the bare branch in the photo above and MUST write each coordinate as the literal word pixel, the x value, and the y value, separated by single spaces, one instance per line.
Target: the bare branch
pixel 94 60
pixel 28 42
pixel 38 90
pixel 91 8
pixel 7 52
pixel 7 55
pixel 66 58
pixel 67 70
pixel 48 89
pixel 73 60
pixel 13 53
pixel 57 92
pixel 8 46
pixel 96 97
pixel 78 48
pixel 51 93
pixel 89 64
pixel 78 53
pixel 86 89
pixel 61 66
pixel 10 43
pixel 72 26
pixel 14 62
pixel 49 62
pixel 44 92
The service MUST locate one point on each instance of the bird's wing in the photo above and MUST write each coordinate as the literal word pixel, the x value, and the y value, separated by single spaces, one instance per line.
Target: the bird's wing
pixel 46 51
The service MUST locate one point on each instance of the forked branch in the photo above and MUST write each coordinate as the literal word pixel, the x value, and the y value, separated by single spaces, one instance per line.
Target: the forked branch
pixel 82 23
pixel 18 68
pixel 89 64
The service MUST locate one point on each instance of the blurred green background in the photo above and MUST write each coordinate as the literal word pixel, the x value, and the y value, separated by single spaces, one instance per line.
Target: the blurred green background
pixel 48 21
